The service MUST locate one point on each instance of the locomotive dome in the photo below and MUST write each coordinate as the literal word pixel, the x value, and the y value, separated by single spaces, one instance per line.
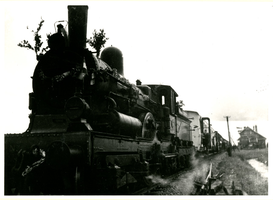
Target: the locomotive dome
pixel 113 57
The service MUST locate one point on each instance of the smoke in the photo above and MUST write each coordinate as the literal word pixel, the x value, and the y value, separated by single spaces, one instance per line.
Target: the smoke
pixel 186 183
pixel 157 179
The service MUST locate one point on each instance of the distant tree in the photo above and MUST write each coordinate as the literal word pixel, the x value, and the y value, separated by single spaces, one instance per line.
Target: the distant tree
pixel 98 40
pixel 38 42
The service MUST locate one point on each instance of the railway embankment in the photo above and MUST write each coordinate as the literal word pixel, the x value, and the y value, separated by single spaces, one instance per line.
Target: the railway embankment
pixel 236 174
pixel 245 176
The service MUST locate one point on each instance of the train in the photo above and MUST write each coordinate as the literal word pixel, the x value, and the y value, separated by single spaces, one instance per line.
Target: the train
pixel 206 140
pixel 91 131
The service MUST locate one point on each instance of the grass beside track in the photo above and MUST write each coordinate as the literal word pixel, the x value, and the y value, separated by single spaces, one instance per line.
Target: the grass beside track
pixel 237 169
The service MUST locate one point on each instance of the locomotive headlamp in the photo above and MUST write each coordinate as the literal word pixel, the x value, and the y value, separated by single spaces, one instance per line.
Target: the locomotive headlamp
pixel 76 108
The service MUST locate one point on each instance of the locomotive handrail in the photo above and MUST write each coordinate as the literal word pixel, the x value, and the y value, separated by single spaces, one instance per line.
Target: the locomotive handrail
pixel 60 21
pixel 120 80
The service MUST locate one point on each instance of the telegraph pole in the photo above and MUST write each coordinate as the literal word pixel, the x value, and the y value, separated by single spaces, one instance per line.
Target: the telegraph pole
pixel 230 147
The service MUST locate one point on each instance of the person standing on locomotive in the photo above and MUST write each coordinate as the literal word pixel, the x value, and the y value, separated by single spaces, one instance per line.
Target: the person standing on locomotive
pixel 52 82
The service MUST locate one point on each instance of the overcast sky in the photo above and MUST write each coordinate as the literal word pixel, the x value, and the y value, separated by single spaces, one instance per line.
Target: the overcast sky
pixel 216 55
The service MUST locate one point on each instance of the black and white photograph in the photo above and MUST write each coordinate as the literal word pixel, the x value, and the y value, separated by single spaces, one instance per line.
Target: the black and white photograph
pixel 136 98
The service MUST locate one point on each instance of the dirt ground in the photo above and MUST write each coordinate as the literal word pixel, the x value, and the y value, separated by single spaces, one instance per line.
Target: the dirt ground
pixel 237 175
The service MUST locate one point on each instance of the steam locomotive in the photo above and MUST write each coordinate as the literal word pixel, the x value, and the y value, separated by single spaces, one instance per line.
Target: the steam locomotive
pixel 90 130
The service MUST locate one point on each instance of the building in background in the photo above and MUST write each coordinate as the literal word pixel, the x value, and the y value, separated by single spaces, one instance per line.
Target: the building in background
pixel 250 139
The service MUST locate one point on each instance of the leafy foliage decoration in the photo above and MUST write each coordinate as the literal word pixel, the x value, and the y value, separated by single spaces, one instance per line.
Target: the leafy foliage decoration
pixel 98 40
pixel 38 42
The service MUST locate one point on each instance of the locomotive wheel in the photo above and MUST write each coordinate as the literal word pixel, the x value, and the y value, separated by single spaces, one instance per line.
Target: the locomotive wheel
pixel 148 125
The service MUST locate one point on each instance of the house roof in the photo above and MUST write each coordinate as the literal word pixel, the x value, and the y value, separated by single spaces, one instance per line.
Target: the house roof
pixel 247 129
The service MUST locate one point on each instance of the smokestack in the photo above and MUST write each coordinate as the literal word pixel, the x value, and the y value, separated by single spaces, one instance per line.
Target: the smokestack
pixel 77 26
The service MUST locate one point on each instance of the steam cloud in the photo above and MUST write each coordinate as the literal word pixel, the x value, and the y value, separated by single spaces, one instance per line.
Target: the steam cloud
pixel 184 184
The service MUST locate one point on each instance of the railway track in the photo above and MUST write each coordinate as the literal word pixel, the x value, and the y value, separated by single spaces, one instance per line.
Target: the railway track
pixel 158 187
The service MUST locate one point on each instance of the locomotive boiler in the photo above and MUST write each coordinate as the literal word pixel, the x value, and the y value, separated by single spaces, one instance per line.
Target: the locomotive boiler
pixel 91 131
